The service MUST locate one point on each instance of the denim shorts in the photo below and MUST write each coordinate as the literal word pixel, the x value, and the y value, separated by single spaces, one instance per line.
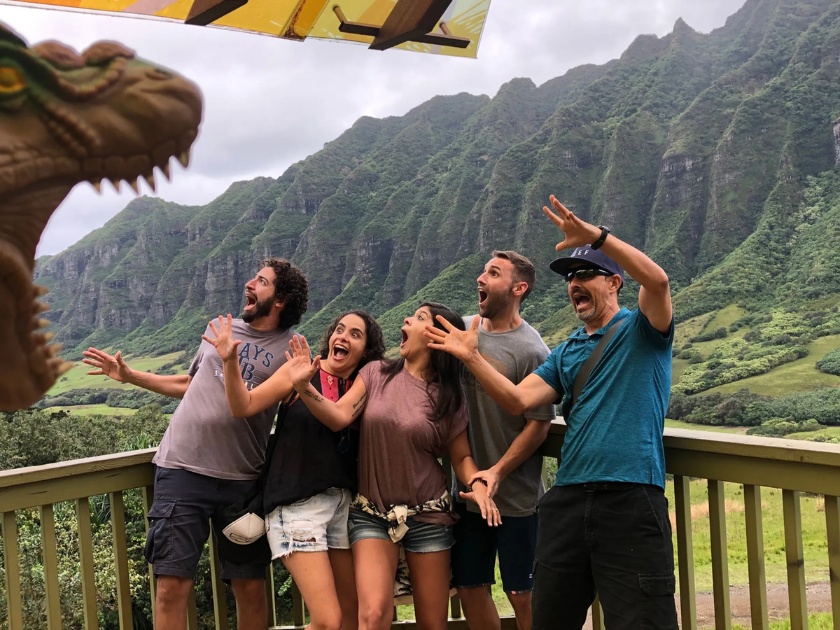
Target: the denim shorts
pixel 420 538
pixel 318 523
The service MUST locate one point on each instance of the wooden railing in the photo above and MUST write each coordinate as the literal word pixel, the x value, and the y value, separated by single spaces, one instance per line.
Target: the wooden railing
pixel 792 466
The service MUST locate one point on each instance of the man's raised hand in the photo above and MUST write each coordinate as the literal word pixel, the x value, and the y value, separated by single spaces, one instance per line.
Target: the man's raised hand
pixel 301 366
pixel 462 344
pixel 223 339
pixel 106 365
pixel 577 233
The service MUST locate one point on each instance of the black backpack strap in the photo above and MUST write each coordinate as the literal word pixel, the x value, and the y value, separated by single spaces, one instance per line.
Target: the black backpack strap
pixel 589 364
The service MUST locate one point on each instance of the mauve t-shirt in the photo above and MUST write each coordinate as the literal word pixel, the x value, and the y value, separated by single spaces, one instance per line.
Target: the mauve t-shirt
pixel 399 445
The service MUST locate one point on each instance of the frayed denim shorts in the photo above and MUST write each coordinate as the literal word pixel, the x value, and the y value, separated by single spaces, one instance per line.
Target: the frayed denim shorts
pixel 420 538
pixel 318 523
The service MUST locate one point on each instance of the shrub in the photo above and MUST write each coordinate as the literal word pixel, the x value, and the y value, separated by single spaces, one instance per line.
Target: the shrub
pixel 753 335
pixel 830 363
pixel 719 333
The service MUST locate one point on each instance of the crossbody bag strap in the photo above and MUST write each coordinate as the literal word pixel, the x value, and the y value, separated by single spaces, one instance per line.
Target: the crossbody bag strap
pixel 586 368
pixel 272 443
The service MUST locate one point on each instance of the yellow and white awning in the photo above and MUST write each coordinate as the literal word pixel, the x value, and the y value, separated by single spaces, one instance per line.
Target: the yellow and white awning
pixel 446 27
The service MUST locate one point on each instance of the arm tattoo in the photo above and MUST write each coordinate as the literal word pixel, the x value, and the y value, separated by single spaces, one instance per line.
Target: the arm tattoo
pixel 358 406
pixel 313 396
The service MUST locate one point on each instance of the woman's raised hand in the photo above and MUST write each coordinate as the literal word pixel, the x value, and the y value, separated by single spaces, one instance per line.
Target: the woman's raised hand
pixel 223 339
pixel 301 366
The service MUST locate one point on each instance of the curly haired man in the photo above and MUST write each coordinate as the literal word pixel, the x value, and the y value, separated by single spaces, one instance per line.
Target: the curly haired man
pixel 208 459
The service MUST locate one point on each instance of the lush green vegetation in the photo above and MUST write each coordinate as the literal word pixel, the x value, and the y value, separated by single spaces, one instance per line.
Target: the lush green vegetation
pixel 34 437
pixel 808 412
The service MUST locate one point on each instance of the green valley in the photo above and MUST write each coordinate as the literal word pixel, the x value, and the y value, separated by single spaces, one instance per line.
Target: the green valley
pixel 717 154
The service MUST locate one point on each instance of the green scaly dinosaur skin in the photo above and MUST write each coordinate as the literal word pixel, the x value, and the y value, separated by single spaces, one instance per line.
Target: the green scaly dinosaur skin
pixel 67 118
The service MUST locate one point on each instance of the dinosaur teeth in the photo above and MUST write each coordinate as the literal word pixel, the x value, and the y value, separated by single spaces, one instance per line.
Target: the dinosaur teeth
pixel 150 180
pixel 41 290
pixel 53 350
pixel 184 158
pixel 97 186
pixel 43 323
pixel 165 170
pixel 135 185
pixel 115 183
pixel 41 307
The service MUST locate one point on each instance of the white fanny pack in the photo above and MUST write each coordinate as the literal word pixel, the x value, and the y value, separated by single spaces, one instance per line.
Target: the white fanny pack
pixel 245 530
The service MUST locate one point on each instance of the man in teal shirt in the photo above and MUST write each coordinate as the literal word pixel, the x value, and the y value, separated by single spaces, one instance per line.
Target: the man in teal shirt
pixel 604 526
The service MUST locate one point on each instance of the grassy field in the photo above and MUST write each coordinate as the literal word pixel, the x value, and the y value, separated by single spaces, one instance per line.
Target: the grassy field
pixel 93 410
pixel 77 377
pixel 822 621
pixel 725 317
pixel 807 435
pixel 813 535
pixel 792 377
pixel 678 424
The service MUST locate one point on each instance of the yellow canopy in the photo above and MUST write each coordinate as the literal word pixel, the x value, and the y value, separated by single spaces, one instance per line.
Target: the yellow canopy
pixel 427 26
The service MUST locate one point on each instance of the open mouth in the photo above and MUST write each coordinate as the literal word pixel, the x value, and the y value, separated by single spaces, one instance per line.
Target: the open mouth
pixel 404 337
pixel 340 351
pixel 482 296
pixel 581 300
pixel 250 300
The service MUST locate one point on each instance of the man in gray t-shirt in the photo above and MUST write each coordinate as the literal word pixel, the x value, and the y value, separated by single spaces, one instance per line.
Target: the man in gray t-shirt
pixel 208 459
pixel 504 448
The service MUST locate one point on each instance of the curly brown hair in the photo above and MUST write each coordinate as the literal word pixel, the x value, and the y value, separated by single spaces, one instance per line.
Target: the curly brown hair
pixel 291 285
pixel 374 340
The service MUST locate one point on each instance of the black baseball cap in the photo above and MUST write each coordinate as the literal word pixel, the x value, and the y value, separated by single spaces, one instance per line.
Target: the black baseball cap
pixel 585 256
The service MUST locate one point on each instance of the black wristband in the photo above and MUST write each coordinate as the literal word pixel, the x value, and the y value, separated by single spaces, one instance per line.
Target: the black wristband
pixel 604 231
pixel 481 481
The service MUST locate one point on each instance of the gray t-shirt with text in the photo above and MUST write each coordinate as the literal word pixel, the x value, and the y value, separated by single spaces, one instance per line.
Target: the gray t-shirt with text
pixel 203 436
pixel 514 354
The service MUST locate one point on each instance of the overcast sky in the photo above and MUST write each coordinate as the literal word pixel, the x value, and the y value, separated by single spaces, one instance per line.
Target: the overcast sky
pixel 271 102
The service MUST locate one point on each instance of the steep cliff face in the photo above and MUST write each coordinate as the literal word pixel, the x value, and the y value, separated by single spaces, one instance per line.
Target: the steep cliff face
pixel 712 152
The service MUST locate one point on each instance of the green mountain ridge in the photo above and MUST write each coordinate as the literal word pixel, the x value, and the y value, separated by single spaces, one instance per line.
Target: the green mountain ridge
pixel 715 153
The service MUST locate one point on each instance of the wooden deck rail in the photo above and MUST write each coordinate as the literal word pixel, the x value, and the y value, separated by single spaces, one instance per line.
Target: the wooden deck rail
pixel 792 466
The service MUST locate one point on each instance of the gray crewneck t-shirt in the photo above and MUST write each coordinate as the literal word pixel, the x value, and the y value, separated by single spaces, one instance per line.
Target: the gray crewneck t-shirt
pixel 203 436
pixel 514 354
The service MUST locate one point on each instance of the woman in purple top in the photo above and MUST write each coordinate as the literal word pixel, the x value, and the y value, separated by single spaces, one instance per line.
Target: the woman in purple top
pixel 414 413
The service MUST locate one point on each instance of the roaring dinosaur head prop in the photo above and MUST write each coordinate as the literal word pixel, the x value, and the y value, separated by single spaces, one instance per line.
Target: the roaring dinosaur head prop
pixel 67 118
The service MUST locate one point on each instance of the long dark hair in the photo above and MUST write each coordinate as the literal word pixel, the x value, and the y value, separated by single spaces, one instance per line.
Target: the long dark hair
pixel 444 369
pixel 374 340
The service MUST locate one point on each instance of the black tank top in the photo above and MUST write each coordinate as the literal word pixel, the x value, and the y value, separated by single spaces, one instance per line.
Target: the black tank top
pixel 309 457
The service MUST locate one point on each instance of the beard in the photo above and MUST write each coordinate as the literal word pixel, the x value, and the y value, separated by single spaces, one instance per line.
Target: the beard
pixel 586 315
pixel 493 305
pixel 261 309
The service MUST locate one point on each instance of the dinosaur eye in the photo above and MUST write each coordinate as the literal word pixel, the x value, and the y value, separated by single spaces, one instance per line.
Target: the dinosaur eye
pixel 10 80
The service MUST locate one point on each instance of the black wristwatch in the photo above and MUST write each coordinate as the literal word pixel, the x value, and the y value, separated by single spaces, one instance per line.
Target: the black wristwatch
pixel 604 231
